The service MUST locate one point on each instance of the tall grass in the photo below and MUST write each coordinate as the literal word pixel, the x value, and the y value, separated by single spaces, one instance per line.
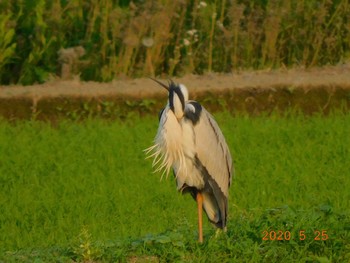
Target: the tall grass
pixel 84 192
pixel 138 38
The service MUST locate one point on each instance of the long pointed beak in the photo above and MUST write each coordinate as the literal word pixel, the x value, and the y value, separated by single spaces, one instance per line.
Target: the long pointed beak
pixel 160 83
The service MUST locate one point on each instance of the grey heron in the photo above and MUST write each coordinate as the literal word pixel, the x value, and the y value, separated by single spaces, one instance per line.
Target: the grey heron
pixel 190 141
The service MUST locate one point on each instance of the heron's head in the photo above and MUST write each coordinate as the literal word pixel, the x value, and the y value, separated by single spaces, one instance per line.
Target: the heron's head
pixel 178 96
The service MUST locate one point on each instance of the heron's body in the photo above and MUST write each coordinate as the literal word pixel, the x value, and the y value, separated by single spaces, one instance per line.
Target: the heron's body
pixel 190 141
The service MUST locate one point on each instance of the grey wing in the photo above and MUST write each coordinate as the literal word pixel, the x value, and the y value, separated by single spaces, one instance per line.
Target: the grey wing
pixel 212 151
pixel 214 160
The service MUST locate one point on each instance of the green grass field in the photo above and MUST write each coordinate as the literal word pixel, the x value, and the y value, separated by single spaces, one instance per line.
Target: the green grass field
pixel 84 192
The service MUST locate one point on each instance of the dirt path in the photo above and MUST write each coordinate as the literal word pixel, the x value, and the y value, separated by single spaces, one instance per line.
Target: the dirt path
pixel 256 90
pixel 144 87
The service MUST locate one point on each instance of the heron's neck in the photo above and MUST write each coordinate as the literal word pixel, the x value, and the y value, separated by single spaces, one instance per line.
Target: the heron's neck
pixel 177 105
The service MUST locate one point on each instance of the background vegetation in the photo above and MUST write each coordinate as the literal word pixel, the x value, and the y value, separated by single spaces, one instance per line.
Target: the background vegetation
pixel 102 40
pixel 84 192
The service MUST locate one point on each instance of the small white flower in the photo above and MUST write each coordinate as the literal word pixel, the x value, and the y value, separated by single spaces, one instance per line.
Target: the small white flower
pixel 186 42
pixel 192 32
pixel 220 24
pixel 147 41
pixel 202 4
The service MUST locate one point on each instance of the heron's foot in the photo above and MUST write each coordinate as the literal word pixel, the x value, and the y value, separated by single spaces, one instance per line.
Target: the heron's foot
pixel 219 233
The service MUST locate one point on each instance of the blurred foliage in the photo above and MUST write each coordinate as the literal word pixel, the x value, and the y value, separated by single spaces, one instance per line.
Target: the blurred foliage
pixel 103 40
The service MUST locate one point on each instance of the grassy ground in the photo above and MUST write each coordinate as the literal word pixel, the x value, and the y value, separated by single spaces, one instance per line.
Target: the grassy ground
pixel 83 191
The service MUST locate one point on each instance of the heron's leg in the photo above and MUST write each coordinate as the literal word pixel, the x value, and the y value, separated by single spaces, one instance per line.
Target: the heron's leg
pixel 199 198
